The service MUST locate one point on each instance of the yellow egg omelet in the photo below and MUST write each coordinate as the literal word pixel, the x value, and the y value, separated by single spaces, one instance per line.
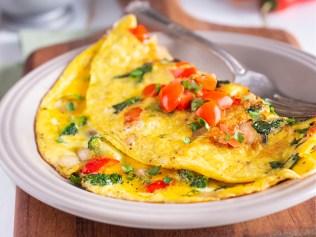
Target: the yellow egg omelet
pixel 107 126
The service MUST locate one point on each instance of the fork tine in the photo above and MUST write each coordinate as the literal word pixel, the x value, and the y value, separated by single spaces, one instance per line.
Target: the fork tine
pixel 294 114
pixel 287 100
pixel 293 107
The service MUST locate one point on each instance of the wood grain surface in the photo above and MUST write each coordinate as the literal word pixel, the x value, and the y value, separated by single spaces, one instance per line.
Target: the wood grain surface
pixel 34 218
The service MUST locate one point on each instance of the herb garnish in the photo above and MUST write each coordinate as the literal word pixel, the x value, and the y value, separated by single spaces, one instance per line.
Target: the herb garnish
pixel 191 85
pixel 239 137
pixel 70 106
pixel 103 179
pixel 138 73
pixel 129 170
pixel 120 106
pixel 200 123
pixel 81 121
pixel 94 143
pixel 194 179
pixel 196 103
pixel 70 129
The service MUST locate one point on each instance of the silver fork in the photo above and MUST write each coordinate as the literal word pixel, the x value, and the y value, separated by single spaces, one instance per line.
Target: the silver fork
pixel 258 83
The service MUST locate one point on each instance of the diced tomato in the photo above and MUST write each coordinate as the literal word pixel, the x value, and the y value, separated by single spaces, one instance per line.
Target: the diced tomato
pixel 312 130
pixel 210 112
pixel 233 143
pixel 140 32
pixel 132 115
pixel 236 101
pixel 170 96
pixel 223 100
pixel 185 100
pixel 208 81
pixel 183 72
pixel 150 90
pixel 226 129
pixel 159 184
pixel 94 165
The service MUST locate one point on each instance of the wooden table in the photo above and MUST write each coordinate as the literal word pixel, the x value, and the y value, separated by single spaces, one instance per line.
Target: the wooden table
pixel 34 218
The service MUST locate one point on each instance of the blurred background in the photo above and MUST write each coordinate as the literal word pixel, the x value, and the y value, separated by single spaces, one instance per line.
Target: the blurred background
pixel 26 25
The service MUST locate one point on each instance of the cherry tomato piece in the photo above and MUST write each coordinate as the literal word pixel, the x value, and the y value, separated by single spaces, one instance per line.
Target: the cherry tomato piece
pixel 132 114
pixel 183 72
pixel 170 96
pixel 223 100
pixel 210 112
pixel 140 32
pixel 185 100
pixel 208 81
pixel 150 90
pixel 94 165
pixel 159 184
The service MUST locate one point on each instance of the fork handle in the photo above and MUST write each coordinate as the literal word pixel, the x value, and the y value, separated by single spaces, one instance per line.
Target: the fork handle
pixel 153 18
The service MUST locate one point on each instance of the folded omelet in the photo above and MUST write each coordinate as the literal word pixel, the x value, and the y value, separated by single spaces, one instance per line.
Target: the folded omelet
pixel 104 126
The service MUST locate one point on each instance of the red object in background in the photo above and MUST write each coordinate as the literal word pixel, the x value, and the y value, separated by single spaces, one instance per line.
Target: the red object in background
pixel 278 5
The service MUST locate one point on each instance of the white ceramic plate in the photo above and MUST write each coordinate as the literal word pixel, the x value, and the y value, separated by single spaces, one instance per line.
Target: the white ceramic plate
pixel 293 70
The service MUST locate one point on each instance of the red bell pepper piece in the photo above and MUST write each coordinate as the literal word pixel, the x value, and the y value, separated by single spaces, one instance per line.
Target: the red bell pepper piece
pixel 159 184
pixel 94 165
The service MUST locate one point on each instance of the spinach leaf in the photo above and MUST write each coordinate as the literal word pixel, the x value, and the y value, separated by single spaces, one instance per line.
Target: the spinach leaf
pixel 264 127
pixel 291 162
pixel 75 179
pixel 70 129
pixel 103 179
pixel 276 164
pixel 194 179
pixel 120 106
pixel 138 73
pixel 153 170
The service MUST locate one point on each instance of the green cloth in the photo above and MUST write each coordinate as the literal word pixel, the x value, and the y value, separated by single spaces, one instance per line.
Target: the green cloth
pixel 30 40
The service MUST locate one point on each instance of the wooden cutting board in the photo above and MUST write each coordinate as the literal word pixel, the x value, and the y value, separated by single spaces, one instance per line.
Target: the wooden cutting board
pixel 34 218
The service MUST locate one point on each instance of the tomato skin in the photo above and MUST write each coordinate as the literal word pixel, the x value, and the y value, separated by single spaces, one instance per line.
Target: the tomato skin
pixel 236 101
pixel 185 100
pixel 223 100
pixel 208 81
pixel 132 114
pixel 183 72
pixel 150 90
pixel 210 112
pixel 94 165
pixel 159 184
pixel 170 96
pixel 140 32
